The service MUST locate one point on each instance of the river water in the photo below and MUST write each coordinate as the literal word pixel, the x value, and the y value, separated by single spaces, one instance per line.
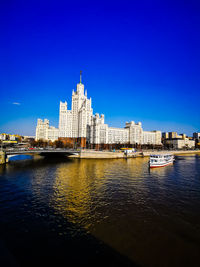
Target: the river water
pixel 115 212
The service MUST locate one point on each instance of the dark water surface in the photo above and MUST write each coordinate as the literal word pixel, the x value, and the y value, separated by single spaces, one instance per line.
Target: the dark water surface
pixel 102 212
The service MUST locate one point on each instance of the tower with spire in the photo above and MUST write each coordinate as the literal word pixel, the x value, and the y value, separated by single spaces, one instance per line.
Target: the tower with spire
pixel 74 123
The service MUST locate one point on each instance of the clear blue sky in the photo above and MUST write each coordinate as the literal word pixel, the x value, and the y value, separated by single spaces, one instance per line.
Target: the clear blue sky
pixel 140 61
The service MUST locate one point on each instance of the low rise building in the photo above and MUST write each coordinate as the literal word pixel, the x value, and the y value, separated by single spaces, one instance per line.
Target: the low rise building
pixel 183 136
pixel 165 135
pixel 180 143
pixel 3 136
pixel 174 141
pixel 196 136
pixel 172 135
pixel 12 137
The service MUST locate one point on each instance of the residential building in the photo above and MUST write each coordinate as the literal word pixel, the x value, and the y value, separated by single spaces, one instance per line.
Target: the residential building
pixel 180 143
pixel 172 135
pixel 45 132
pixel 79 125
pixel 196 136
pixel 132 133
pixel 10 137
pixel 74 123
pixel 3 136
pixel 152 137
pixel 165 135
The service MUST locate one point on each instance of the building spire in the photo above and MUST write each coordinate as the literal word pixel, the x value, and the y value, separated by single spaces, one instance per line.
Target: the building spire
pixel 80 76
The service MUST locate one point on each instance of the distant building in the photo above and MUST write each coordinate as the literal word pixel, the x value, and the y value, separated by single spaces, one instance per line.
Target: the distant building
pixel 175 141
pixel 172 135
pixel 165 135
pixel 27 137
pixel 183 136
pixel 180 143
pixel 3 136
pixel 10 138
pixel 196 135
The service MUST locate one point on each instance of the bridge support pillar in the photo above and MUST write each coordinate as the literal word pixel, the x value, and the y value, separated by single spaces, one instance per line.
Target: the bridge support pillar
pixel 2 157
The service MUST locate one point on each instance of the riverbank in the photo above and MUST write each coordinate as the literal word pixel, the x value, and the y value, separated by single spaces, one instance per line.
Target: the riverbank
pixel 174 152
pixel 92 154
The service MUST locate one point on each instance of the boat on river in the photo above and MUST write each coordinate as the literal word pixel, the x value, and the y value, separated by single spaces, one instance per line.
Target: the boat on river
pixel 160 160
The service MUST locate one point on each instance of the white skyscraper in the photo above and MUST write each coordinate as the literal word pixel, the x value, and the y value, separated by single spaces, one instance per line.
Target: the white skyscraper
pixel 79 125
pixel 74 123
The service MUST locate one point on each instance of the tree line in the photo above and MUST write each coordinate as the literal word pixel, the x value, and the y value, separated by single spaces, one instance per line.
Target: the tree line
pixel 55 144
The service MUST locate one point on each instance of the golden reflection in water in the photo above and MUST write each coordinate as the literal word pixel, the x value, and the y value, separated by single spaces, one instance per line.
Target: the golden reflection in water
pixel 110 200
pixel 81 183
pixel 73 189
pixel 135 231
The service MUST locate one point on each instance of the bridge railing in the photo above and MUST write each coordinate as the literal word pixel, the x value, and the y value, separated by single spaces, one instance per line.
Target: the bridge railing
pixel 39 149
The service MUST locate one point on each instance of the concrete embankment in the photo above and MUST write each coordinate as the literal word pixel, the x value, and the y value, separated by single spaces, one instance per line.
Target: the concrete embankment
pixel 174 152
pixel 92 154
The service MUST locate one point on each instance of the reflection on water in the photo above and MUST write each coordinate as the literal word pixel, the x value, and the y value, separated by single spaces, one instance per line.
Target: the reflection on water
pixel 128 206
pixel 81 189
pixel 150 216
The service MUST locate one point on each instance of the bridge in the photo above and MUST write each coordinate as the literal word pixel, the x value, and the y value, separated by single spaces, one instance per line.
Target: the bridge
pixel 42 152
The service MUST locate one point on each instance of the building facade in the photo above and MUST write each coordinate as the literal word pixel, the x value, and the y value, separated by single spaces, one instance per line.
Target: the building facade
pixel 132 133
pixel 80 123
pixel 73 123
pixel 174 140
pixel 151 137
pixel 45 132
pixel 10 137
pixel 196 136
pixel 180 143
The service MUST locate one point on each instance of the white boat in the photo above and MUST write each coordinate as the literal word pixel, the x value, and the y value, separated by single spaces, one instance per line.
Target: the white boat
pixel 160 160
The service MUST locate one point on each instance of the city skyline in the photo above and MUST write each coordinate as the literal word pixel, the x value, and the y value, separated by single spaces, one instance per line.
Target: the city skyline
pixel 140 62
